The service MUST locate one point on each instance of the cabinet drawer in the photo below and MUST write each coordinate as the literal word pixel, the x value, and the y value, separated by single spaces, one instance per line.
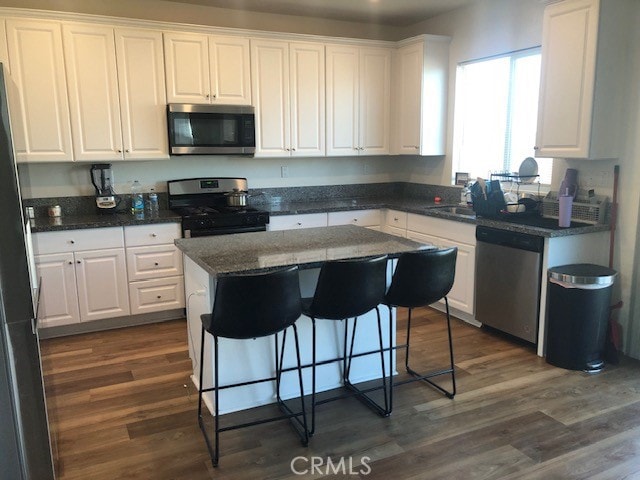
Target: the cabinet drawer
pixel 153 262
pixel 156 295
pixel 288 222
pixel 156 234
pixel 450 229
pixel 395 218
pixel 77 240
pixel 363 218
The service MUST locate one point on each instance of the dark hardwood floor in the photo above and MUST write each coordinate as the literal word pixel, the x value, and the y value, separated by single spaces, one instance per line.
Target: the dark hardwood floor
pixel 122 406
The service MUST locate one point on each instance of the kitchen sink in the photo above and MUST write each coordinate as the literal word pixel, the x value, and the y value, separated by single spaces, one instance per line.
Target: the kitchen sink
pixel 458 210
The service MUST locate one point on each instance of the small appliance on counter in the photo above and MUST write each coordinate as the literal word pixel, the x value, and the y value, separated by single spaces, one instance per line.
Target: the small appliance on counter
pixel 102 180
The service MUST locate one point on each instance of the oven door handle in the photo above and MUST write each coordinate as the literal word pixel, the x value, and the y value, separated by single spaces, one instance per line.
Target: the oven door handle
pixel 222 231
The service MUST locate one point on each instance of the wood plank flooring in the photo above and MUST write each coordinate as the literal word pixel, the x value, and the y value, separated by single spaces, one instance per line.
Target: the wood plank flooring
pixel 122 406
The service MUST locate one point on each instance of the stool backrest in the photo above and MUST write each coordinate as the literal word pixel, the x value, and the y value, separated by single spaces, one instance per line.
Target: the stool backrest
pixel 256 305
pixel 422 278
pixel 349 288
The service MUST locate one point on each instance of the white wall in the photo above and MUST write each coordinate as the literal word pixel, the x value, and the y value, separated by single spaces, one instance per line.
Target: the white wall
pixel 72 179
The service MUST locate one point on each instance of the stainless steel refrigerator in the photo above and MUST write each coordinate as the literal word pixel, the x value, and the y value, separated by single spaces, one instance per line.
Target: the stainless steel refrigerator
pixel 25 449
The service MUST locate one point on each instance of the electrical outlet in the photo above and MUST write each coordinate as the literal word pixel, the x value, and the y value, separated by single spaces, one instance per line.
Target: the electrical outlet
pixel 284 171
pixel 366 168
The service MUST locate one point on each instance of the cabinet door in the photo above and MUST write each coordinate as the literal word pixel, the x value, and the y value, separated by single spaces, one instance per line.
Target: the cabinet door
pixel 41 128
pixel 58 294
pixel 230 70
pixel 565 108
pixel 343 110
pixel 142 94
pixel 409 93
pixel 307 99
pixel 186 59
pixel 92 76
pixel 375 100
pixel 270 69
pixel 102 284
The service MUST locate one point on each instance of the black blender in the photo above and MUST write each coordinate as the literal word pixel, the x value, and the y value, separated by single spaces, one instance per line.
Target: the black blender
pixel 102 179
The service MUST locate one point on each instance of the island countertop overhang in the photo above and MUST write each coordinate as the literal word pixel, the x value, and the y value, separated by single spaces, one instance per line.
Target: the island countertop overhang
pixel 307 248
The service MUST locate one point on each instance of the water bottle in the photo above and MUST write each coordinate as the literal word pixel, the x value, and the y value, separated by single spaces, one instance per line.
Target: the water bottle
pixel 153 202
pixel 137 202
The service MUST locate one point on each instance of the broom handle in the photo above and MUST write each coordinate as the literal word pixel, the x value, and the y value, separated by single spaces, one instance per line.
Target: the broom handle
pixel 614 214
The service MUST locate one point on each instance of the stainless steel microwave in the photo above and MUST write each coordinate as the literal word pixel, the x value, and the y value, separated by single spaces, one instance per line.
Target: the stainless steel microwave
pixel 211 129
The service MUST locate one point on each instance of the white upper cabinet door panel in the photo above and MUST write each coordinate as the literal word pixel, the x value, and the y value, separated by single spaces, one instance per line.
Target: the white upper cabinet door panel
pixel 142 94
pixel 307 92
pixel 375 100
pixel 343 83
pixel 270 69
pixel 90 60
pixel 230 70
pixel 41 126
pixel 408 93
pixel 567 86
pixel 187 68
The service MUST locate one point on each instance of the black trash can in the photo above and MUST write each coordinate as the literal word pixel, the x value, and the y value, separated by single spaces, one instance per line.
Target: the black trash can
pixel 579 297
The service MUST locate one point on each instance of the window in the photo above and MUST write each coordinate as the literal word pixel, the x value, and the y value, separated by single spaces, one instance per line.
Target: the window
pixel 496 115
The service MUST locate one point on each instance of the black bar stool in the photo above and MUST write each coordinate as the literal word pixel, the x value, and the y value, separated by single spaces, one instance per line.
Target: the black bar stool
pixel 246 307
pixel 420 279
pixel 348 289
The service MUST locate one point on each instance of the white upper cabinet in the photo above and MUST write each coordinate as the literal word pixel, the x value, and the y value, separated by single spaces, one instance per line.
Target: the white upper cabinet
pixel 116 93
pixel 142 91
pixel 419 96
pixel 39 104
pixel 358 100
pixel 288 92
pixel 583 64
pixel 207 69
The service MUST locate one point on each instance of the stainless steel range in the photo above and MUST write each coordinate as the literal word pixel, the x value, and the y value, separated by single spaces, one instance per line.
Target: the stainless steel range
pixel 202 204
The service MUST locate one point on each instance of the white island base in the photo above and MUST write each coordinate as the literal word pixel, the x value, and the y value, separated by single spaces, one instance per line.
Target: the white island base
pixel 246 360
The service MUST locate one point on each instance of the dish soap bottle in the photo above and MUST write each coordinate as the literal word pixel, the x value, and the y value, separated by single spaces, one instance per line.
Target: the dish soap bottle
pixel 137 202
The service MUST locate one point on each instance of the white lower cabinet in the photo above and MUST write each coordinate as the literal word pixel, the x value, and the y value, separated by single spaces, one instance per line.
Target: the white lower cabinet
pixel 446 234
pixel 154 267
pixel 362 218
pixel 89 274
pixel 83 275
pixel 101 277
pixel 58 291
pixel 82 286
pixel 394 222
pixel 290 222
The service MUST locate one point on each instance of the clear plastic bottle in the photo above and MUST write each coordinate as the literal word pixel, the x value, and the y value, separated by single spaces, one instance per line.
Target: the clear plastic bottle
pixel 137 202
pixel 153 202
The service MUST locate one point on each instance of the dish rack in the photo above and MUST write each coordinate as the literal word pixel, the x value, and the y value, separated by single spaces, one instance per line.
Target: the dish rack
pixel 589 209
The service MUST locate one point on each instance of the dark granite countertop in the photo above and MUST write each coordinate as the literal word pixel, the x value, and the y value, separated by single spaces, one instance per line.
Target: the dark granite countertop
pixel 73 222
pixel 307 248
pixel 422 207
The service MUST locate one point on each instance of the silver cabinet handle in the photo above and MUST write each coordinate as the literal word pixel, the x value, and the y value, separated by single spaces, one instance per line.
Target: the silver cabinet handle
pixel 355 220
pixel 395 219
pixel 127 150
pixel 159 296
pixel 293 149
pixel 215 96
pixel 70 262
pixel 78 261
pixel 207 95
pixel 156 264
pixel 536 148
pixel 154 235
pixel 72 242
pixel 119 150
pixel 299 223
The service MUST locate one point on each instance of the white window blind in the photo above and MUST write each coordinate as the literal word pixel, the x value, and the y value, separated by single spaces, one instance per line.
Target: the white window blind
pixel 496 115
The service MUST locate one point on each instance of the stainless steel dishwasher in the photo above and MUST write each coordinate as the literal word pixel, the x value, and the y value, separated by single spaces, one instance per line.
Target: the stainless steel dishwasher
pixel 508 277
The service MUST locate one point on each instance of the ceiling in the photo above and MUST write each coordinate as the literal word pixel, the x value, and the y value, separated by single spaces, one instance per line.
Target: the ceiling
pixel 398 13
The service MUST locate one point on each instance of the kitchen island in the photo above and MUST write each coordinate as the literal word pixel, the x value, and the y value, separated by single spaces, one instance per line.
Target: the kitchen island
pixel 206 258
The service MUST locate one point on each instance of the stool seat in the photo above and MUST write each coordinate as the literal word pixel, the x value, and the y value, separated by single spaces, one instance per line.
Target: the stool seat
pixel 246 307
